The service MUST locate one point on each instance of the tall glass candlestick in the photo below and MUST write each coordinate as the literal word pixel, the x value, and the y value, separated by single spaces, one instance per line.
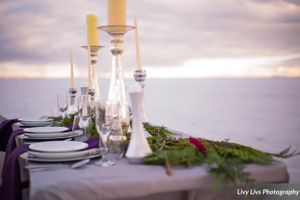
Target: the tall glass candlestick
pixel 94 90
pixel 117 92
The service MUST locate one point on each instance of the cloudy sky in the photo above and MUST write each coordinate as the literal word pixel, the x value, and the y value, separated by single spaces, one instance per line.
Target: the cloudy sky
pixel 191 38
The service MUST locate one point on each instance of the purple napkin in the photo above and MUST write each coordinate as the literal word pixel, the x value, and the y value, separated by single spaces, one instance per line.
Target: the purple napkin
pixel 5 132
pixel 11 144
pixel 93 143
pixel 11 186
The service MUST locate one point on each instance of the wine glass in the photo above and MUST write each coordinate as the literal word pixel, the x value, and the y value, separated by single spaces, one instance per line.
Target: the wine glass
pixel 83 120
pixel 62 103
pixel 112 143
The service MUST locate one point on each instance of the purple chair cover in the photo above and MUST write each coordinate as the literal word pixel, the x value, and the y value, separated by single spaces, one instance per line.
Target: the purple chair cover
pixel 5 132
pixel 11 186
pixel 11 145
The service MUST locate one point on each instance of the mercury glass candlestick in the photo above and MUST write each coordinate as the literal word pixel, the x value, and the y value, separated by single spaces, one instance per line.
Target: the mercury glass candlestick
pixel 117 92
pixel 72 109
pixel 94 90
pixel 140 77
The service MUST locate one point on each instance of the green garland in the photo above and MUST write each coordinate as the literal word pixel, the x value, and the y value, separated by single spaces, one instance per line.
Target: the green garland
pixel 225 160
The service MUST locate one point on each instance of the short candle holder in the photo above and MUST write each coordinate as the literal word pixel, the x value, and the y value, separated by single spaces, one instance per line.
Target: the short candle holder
pixel 72 109
pixel 93 51
pixel 117 93
pixel 140 77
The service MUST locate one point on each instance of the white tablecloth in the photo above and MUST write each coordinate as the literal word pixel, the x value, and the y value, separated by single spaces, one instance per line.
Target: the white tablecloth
pixel 125 181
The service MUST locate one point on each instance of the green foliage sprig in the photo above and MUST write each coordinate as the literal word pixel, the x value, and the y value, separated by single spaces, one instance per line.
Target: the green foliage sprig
pixel 225 160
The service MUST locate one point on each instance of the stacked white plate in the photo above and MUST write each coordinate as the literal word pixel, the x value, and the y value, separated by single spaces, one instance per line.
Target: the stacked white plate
pixel 60 151
pixel 32 122
pixel 50 133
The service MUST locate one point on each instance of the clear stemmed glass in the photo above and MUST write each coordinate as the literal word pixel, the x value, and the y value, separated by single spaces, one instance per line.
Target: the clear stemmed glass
pixel 83 119
pixel 62 103
pixel 112 143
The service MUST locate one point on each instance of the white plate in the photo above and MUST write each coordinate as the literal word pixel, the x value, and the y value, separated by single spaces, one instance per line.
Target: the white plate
pixel 60 155
pixel 58 146
pixel 34 120
pixel 54 129
pixel 45 136
pixel 35 123
pixel 37 159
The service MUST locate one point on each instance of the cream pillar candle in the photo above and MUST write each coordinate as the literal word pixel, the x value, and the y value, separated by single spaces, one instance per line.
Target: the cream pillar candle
pixel 72 71
pixel 92 30
pixel 137 46
pixel 116 12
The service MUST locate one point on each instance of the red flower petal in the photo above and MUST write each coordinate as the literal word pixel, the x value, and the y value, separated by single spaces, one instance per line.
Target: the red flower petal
pixel 200 146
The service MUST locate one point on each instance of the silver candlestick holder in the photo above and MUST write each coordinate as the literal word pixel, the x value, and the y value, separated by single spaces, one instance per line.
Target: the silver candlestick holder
pixel 94 90
pixel 117 93
pixel 140 77
pixel 72 108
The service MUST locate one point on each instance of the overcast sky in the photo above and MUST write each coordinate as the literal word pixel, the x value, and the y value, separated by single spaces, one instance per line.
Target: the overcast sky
pixel 191 38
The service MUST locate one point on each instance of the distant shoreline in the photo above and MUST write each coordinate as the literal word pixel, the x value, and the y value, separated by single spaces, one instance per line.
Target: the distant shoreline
pixel 192 78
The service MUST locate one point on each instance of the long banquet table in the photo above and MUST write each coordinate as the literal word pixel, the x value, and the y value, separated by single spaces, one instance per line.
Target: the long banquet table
pixel 127 181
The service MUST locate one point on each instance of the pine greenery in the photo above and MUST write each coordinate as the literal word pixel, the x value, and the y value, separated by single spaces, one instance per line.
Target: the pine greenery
pixel 225 160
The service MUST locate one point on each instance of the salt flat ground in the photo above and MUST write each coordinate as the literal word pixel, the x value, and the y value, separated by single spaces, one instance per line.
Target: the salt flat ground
pixel 262 113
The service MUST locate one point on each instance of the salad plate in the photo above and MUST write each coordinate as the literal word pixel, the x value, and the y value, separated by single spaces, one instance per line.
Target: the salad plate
pixel 58 146
pixel 53 129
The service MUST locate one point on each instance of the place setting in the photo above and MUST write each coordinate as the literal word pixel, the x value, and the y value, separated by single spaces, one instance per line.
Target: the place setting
pixel 61 151
pixel 50 133
pixel 34 122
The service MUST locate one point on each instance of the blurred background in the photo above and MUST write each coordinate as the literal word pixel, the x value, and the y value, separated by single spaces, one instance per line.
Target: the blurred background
pixel 217 69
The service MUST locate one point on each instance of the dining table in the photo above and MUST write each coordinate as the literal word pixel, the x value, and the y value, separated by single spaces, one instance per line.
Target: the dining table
pixel 138 181
pixel 124 181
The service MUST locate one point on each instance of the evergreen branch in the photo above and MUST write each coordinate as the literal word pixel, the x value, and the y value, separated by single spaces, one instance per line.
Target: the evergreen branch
pixel 225 160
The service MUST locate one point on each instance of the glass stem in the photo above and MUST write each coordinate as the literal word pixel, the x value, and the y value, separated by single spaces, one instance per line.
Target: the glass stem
pixel 93 71
pixel 117 93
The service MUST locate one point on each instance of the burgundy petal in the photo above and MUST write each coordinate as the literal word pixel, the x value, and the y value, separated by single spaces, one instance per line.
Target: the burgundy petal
pixel 198 144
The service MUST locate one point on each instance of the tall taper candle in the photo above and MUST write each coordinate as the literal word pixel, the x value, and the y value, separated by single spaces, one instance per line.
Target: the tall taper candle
pixel 116 12
pixel 89 68
pixel 72 71
pixel 137 46
pixel 92 30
